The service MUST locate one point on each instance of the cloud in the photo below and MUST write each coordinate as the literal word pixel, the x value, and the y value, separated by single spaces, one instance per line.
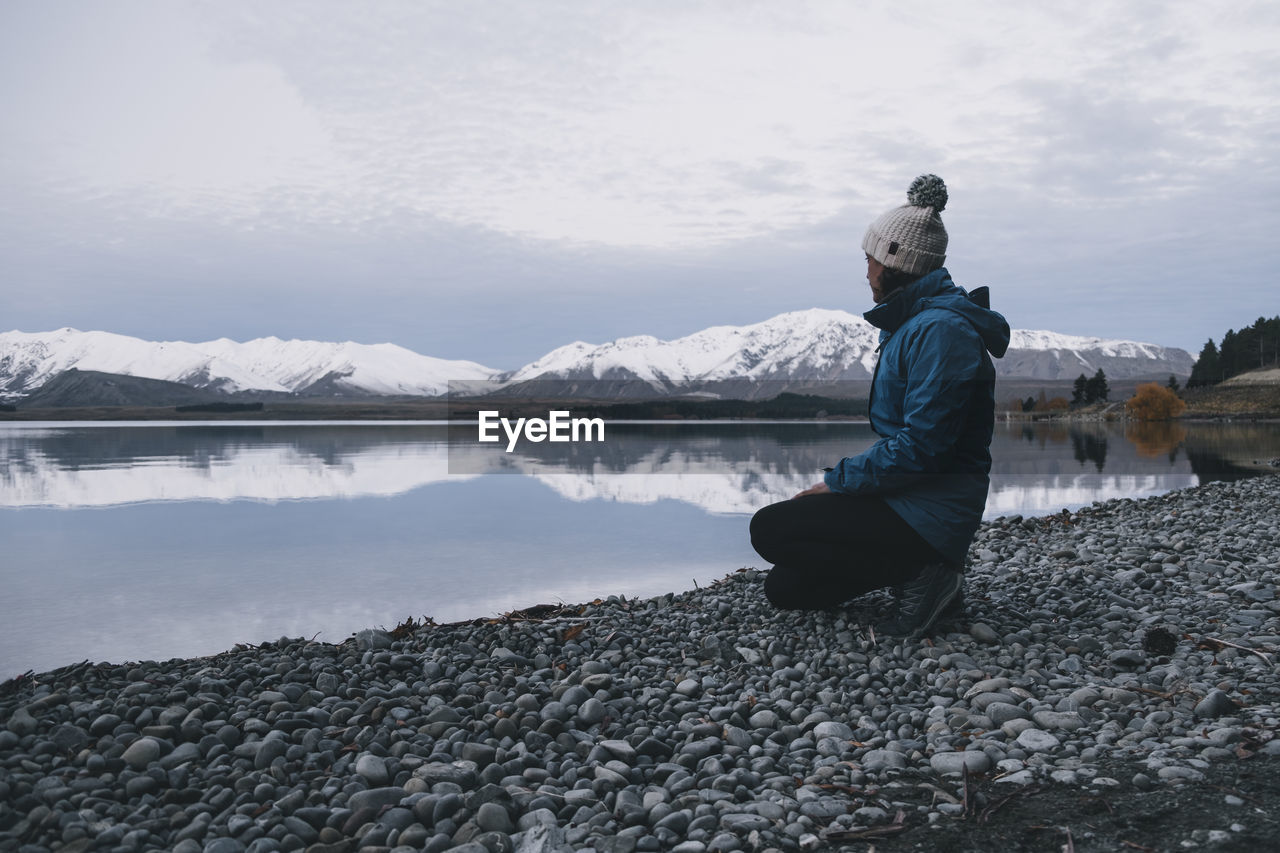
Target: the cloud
pixel 549 171
pixel 108 98
pixel 620 125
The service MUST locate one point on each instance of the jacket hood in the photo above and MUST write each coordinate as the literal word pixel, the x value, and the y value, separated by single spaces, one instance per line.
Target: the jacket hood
pixel 937 290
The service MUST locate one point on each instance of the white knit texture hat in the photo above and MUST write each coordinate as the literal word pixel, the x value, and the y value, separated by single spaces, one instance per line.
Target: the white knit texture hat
pixel 912 237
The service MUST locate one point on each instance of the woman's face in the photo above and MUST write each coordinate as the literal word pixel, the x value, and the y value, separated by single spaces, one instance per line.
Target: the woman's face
pixel 874 269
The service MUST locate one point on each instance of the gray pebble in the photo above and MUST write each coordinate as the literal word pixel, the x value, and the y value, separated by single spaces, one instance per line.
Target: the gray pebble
pixel 1127 657
pixel 373 769
pixel 983 633
pixel 544 838
pixel 591 711
pixel 21 723
pixel 619 749
pixel 1036 740
pixel 745 823
pixel 1214 704
pixel 1058 720
pixel 491 817
pixel 955 762
pixel 833 729
pixel 689 687
pixel 1175 773
pixel 142 752
pixel 373 638
pixel 376 798
pixel 689 847
pixel 1002 712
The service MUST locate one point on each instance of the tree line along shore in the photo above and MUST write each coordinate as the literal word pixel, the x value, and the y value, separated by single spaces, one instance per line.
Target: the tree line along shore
pixel 1241 400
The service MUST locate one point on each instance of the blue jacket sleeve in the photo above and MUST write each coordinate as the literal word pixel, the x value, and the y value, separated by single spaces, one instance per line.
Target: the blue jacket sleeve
pixel 941 362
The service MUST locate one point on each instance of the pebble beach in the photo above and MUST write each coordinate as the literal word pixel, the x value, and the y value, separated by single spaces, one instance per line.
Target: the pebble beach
pixel 1126 649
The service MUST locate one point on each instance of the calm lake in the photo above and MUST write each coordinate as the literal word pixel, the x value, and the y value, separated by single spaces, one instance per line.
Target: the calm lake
pixel 134 542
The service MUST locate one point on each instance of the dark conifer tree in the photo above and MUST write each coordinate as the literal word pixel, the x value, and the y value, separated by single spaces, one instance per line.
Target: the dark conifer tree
pixel 1264 342
pixel 1096 389
pixel 1270 341
pixel 1208 368
pixel 1229 354
pixel 1078 390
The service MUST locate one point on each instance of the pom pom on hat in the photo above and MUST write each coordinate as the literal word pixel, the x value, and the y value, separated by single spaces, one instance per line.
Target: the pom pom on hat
pixel 912 238
pixel 928 191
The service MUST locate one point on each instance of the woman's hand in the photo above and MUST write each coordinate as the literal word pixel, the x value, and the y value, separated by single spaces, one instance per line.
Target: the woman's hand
pixel 816 489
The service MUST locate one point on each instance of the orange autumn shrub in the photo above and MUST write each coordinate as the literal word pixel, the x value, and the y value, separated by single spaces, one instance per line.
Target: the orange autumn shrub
pixel 1154 402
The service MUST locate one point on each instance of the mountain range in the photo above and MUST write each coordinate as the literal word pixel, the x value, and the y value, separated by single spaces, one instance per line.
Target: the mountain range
pixel 798 350
pixel 313 368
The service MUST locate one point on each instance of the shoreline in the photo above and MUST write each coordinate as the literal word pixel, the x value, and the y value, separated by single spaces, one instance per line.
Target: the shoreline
pixel 1123 654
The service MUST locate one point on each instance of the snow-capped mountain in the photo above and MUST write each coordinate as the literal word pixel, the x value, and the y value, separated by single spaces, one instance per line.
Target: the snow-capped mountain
pixel 809 346
pixel 29 360
pixel 1049 355
pixel 823 346
pixel 799 350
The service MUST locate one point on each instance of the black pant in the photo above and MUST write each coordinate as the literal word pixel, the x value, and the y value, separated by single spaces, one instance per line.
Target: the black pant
pixel 828 548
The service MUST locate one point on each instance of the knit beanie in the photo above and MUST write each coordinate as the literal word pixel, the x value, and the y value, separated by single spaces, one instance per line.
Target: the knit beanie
pixel 912 237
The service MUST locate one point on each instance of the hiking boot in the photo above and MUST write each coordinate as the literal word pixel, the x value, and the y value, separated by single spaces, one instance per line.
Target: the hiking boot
pixel 925 599
pixel 954 608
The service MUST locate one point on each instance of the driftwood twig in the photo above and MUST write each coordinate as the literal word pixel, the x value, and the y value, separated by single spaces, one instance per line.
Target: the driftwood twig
pixel 968 805
pixel 939 793
pixel 986 813
pixel 1209 642
pixel 899 825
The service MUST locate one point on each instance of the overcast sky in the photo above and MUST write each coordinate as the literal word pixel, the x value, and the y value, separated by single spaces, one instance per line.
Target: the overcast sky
pixel 492 180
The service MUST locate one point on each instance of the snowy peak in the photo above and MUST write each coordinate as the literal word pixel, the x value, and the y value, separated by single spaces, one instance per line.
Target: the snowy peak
pixel 1041 340
pixel 817 342
pixel 28 360
pixel 1037 354
pixel 318 367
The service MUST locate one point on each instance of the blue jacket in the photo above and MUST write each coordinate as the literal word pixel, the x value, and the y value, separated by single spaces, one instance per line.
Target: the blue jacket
pixel 933 406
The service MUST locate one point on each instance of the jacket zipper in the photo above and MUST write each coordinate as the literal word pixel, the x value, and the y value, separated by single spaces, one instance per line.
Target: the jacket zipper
pixel 871 395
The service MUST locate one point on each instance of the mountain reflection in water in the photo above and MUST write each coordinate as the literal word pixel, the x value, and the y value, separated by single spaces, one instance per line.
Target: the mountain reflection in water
pixel 720 467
